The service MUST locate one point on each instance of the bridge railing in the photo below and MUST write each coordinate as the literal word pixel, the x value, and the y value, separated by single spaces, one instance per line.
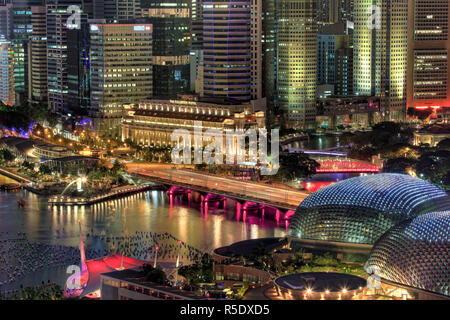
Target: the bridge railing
pixel 228 186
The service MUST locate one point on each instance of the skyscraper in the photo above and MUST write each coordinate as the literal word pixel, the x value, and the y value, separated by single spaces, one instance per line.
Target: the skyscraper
pixel 296 61
pixel 334 11
pixel 57 26
pixel 428 55
pixel 196 53
pixel 344 72
pixel 6 72
pixel 380 53
pixel 327 45
pixel 171 42
pixel 226 49
pixel 23 29
pixel 78 68
pixel 256 42
pixel 366 63
pixel 112 10
pixel 6 20
pixel 121 70
pixel 37 55
pixel 394 58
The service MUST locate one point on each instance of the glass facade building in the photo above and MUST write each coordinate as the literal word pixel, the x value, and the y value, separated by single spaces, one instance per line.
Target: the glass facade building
pixel 6 72
pixel 415 253
pixel 361 209
pixel 226 49
pixel 171 43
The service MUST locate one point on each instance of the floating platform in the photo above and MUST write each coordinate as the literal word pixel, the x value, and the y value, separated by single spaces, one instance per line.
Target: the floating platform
pixel 74 201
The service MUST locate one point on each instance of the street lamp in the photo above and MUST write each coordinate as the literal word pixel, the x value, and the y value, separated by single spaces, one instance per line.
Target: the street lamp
pixel 156 256
pixel 178 261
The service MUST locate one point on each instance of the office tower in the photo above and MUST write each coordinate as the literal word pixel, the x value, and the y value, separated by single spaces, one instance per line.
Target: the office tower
pixel 334 11
pixel 344 72
pixel 394 58
pixel 428 55
pixel 6 20
pixel 78 68
pixel 171 43
pixel 57 20
pixel 6 72
pixel 366 78
pixel 256 37
pixel 121 70
pixel 296 61
pixel 380 54
pixel 269 60
pixel 37 55
pixel 196 53
pixel 327 45
pixel 226 49
pixel 22 31
pixel 112 10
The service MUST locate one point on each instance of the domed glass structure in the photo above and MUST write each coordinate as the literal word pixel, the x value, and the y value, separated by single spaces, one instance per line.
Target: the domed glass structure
pixel 415 253
pixel 361 209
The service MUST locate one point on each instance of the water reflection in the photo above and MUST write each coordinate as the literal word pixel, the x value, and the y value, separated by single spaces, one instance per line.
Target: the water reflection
pixel 218 223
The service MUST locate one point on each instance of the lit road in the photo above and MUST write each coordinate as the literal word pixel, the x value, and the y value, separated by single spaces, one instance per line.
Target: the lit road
pixel 223 186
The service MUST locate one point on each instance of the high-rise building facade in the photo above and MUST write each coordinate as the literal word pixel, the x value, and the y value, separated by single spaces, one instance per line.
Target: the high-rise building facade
pixel 429 54
pixel 394 58
pixel 380 53
pixel 366 62
pixel 22 30
pixel 121 70
pixel 344 72
pixel 296 61
pixel 334 11
pixel 6 20
pixel 112 10
pixel 171 43
pixel 196 52
pixel 37 55
pixel 227 49
pixel 327 45
pixel 78 68
pixel 57 64
pixel 256 42
pixel 6 72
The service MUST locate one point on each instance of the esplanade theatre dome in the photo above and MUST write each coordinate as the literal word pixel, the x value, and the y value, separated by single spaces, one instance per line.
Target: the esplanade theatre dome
pixel 415 253
pixel 361 209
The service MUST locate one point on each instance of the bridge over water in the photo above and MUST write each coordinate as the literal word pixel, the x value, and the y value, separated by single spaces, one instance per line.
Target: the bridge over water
pixel 231 188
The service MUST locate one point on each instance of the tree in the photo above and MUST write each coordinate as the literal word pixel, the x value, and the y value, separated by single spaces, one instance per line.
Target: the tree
pixel 296 165
pixel 27 165
pixel 155 275
pixel 45 169
pixel 6 155
pixel 117 166
pixel 434 166
pixel 399 165
pixel 444 144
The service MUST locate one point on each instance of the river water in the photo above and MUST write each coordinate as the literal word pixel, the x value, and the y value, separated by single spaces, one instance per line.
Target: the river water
pixel 37 223
pixel 147 212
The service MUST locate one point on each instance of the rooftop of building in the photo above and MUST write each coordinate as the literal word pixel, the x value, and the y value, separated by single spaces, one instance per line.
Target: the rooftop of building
pixel 437 129
pixel 320 281
pixel 137 277
pixel 249 247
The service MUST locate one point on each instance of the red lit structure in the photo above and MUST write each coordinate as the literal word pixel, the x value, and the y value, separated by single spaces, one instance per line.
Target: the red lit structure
pixel 346 166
